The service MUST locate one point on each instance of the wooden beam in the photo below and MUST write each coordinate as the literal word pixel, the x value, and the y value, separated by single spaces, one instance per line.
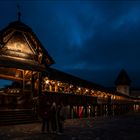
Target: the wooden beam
pixel 8 77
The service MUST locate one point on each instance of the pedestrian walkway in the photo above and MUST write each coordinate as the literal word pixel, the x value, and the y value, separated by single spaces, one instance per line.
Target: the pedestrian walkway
pixel 123 128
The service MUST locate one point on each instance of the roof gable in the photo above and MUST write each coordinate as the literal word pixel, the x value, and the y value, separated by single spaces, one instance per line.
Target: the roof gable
pixel 18 40
pixel 18 46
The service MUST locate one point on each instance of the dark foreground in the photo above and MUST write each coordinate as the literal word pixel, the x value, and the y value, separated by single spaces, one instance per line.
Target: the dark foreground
pixel 122 128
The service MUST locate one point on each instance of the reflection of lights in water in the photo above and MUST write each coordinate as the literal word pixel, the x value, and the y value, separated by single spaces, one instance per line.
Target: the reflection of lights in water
pixel 81 109
pixel 89 110
pixel 137 107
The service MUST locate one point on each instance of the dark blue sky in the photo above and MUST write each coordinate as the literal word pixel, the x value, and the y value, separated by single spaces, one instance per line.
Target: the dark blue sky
pixel 91 39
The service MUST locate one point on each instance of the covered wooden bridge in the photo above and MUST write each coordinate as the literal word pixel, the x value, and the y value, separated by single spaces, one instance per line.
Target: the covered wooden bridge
pixel 25 61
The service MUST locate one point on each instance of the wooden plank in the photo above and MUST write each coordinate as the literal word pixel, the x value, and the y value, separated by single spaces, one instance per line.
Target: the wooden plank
pixel 10 77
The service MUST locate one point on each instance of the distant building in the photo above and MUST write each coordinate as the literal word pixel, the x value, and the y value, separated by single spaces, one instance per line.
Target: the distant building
pixel 123 83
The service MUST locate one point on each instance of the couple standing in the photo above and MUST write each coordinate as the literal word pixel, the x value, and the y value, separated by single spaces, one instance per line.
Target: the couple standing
pixel 54 116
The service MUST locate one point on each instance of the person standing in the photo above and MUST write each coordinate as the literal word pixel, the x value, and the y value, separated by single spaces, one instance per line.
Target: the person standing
pixel 46 118
pixel 53 117
pixel 61 117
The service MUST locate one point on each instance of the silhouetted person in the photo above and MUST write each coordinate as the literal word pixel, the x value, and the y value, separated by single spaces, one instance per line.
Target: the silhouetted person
pixel 46 117
pixel 53 117
pixel 61 117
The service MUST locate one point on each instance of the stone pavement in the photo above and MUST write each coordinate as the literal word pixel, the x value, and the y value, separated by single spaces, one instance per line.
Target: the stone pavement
pixel 121 128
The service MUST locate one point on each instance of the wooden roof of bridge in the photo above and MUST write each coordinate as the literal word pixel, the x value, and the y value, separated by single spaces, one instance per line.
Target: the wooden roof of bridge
pixel 55 74
pixel 18 31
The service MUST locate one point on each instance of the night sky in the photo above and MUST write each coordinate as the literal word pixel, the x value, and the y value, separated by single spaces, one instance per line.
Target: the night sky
pixel 91 39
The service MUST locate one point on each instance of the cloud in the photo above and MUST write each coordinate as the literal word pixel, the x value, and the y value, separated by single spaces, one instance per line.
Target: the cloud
pixel 94 37
pixel 113 44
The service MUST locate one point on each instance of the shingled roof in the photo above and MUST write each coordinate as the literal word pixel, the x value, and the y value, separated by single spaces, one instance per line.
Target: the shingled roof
pixel 55 74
